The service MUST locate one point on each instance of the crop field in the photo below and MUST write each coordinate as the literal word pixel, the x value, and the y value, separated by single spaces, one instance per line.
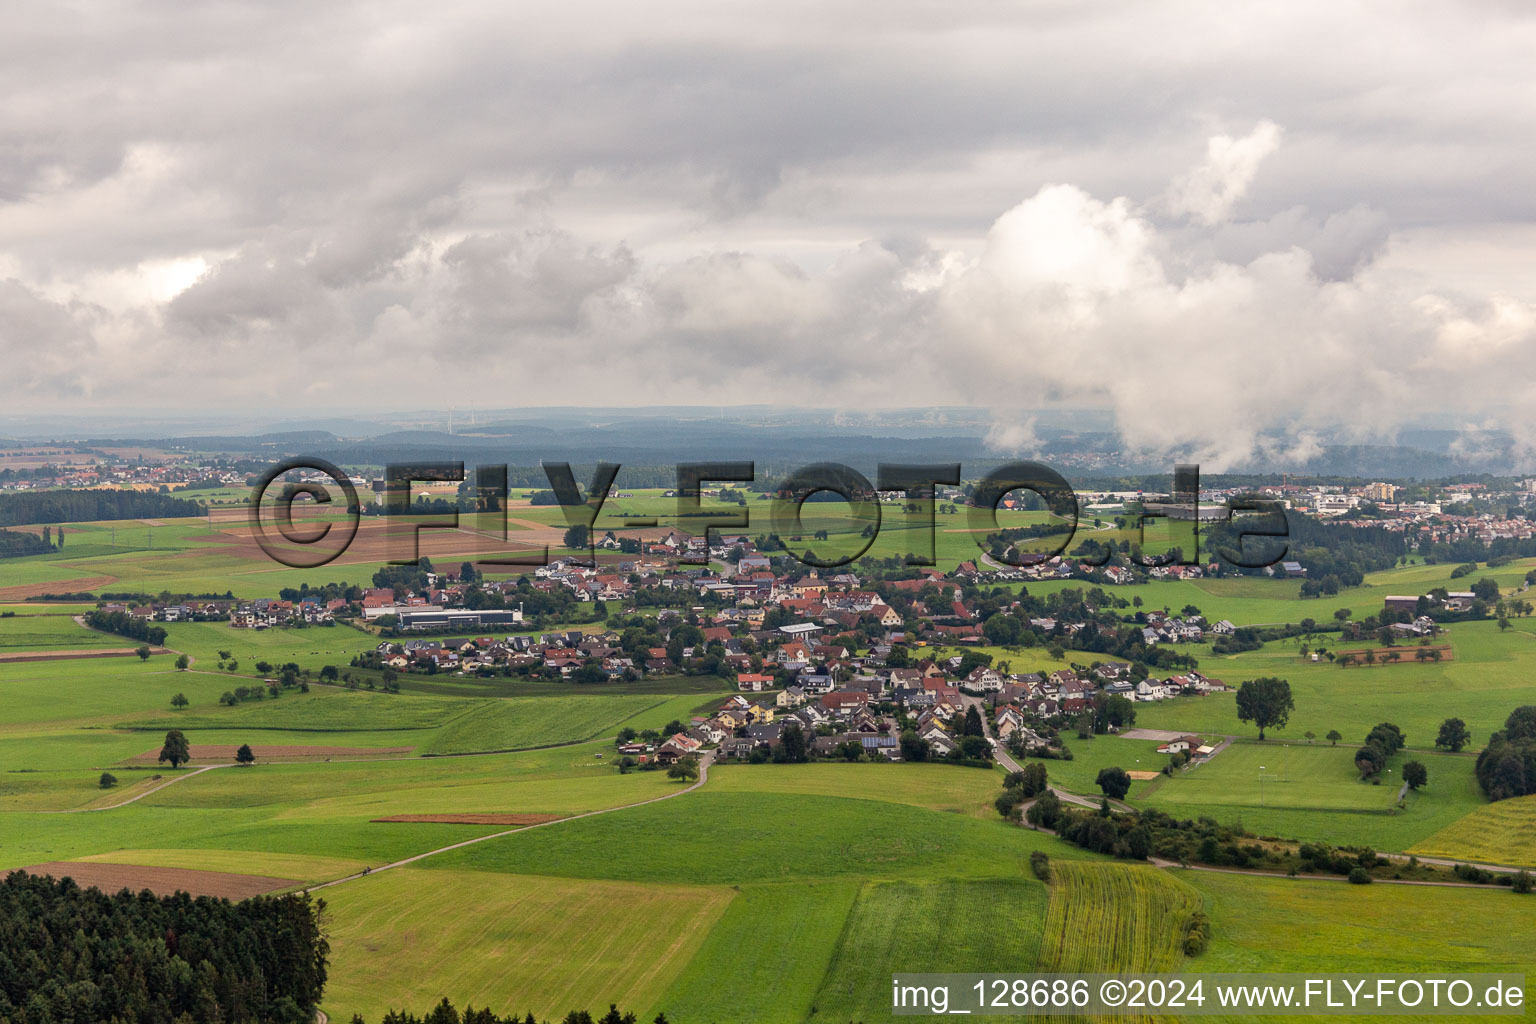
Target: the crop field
pixel 546 945
pixel 1498 833
pixel 764 960
pixel 951 927
pixel 1114 917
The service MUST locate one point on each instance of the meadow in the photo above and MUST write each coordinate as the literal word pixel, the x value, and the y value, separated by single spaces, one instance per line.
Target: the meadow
pixel 1493 673
pixel 1317 927
pixel 1314 792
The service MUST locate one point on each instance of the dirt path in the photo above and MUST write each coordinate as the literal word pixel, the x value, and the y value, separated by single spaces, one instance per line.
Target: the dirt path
pixel 703 778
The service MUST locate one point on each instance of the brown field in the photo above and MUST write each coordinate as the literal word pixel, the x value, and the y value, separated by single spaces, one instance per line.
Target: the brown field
pixel 161 881
pixel 75 586
pixel 475 819
pixel 86 652
pixel 1405 655
pixel 1143 776
pixel 226 752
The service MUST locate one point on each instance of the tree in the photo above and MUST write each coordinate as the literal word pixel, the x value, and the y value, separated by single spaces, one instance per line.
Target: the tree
pixel 1486 589
pixel 107 780
pixel 792 745
pixel 913 746
pixel 686 769
pixel 1114 782
pixel 1112 710
pixel 576 537
pixel 1415 774
pixel 179 701
pixel 182 661
pixel 1266 702
pixel 1310 736
pixel 1370 760
pixel 1044 812
pixel 142 651
pixel 1033 779
pixel 1334 736
pixel 973 726
pixel 1453 735
pixel 244 755
pixel 175 749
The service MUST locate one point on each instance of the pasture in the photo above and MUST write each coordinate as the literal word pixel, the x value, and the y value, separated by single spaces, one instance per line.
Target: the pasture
pixel 1314 792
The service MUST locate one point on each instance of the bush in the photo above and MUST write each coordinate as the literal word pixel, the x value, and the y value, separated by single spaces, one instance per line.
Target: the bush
pixel 1197 934
pixel 1522 883
pixel 107 780
pixel 1040 864
pixel 1359 876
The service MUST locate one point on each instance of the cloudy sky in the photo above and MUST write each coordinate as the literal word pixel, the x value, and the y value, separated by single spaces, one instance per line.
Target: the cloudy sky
pixel 1221 221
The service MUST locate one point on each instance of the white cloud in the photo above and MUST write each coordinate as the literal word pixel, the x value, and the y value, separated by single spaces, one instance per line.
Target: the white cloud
pixel 701 206
pixel 1210 191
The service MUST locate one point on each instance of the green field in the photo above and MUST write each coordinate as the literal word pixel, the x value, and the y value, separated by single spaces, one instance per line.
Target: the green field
pixel 926 927
pixel 1314 927
pixel 1114 917
pixel 511 942
pixel 1496 833
pixel 774 893
pixel 52 632
pixel 764 961
pixel 1314 792
pixel 1492 673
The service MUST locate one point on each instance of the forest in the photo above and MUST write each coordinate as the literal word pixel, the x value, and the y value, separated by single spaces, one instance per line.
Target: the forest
pixel 69 954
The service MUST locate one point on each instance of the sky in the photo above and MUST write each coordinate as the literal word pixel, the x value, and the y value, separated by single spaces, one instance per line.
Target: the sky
pixel 1236 227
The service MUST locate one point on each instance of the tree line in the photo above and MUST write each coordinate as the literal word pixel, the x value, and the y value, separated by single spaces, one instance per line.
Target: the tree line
pixel 124 624
pixel 1507 765
pixel 69 954
pixel 446 1013
pixel 87 506
pixel 15 544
